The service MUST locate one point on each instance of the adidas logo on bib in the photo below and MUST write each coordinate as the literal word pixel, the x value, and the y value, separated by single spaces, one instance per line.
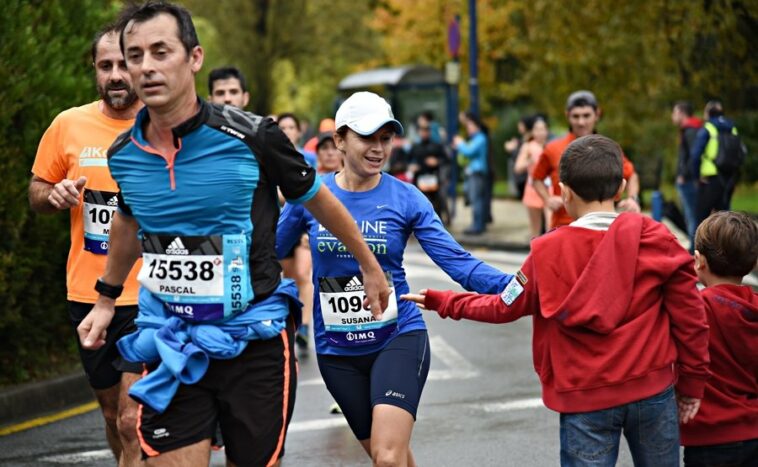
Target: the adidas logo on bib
pixel 113 201
pixel 354 285
pixel 177 248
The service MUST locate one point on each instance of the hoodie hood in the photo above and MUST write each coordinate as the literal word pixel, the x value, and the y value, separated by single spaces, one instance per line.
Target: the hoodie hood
pixel 691 122
pixel 736 307
pixel 722 123
pixel 597 279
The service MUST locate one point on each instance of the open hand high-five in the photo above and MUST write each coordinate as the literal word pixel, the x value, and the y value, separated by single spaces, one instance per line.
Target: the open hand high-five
pixel 65 194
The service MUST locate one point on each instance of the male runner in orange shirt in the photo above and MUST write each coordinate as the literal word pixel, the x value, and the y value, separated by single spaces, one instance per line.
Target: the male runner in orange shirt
pixel 71 173
pixel 583 113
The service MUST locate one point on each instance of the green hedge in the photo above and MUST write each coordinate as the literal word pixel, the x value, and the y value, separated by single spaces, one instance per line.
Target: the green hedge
pixel 45 68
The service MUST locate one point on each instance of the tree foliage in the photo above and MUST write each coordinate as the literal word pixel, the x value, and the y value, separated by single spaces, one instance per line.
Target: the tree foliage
pixel 293 53
pixel 638 57
pixel 45 68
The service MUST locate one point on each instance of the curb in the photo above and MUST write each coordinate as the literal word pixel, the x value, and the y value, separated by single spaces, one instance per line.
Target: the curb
pixel 34 399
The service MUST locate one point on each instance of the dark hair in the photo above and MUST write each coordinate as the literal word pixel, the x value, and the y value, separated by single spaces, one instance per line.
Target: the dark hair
pixel 582 102
pixel 289 115
pixel 110 28
pixel 342 131
pixel 151 9
pixel 729 242
pixel 714 109
pixel 684 107
pixel 592 167
pixel 226 72
pixel 531 120
pixel 472 117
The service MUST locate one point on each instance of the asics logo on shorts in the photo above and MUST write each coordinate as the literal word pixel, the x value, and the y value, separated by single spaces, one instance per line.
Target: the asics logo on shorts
pixel 391 393
pixel 177 248
pixel 354 285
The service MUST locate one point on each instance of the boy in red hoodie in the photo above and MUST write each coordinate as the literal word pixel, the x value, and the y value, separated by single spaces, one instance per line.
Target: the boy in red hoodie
pixel 725 430
pixel 618 321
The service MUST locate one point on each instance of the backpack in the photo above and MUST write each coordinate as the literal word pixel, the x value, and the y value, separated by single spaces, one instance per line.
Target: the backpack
pixel 731 153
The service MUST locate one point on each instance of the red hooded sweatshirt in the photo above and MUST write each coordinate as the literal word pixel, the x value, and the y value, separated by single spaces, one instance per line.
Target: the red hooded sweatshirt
pixel 729 409
pixel 617 315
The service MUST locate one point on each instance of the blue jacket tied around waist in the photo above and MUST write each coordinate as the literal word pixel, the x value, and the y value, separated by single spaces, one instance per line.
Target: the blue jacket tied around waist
pixel 184 349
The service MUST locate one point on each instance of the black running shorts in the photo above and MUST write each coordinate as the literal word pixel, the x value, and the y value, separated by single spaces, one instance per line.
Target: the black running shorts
pixel 105 365
pixel 251 397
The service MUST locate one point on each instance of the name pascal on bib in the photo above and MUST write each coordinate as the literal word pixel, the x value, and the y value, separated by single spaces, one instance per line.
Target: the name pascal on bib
pixel 199 278
pixel 346 321
pixel 99 208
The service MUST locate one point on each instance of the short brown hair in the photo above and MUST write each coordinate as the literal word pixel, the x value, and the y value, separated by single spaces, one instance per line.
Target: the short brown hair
pixel 729 241
pixel 592 167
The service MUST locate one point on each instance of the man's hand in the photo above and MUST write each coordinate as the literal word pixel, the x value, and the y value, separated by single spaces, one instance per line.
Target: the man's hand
pixel 92 329
pixel 688 407
pixel 419 298
pixel 66 193
pixel 629 205
pixel 377 292
pixel 554 203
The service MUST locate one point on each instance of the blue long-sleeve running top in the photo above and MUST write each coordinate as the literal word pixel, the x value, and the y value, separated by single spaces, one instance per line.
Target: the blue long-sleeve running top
pixel 386 216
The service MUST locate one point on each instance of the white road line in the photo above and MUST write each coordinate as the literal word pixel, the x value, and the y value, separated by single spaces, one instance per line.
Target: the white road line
pixel 457 366
pixel 78 457
pixel 319 424
pixel 519 404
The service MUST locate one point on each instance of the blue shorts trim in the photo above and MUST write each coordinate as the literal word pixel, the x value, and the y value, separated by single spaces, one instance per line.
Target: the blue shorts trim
pixel 395 375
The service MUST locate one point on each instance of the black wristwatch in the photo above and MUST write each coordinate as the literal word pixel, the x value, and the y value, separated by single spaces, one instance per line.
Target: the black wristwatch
pixel 107 290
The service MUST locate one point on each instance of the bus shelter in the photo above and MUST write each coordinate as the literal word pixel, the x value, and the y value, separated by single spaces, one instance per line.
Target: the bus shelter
pixel 410 89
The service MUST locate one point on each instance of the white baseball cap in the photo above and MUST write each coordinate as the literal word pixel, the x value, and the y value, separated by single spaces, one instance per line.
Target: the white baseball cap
pixel 364 113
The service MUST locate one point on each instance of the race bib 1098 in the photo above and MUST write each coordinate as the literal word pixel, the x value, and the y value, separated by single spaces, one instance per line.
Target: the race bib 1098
pixel 346 321
pixel 198 278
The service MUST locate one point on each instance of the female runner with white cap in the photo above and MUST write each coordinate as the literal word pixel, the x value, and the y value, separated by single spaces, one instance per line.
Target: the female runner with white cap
pixel 375 367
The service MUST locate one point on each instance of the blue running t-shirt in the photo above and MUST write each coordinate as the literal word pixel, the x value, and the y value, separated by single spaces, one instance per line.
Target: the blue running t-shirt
pixel 207 211
pixel 386 216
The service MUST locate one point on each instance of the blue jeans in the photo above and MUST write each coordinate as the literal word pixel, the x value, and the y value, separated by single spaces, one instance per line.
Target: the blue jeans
pixel 650 426
pixel 739 454
pixel 688 196
pixel 477 197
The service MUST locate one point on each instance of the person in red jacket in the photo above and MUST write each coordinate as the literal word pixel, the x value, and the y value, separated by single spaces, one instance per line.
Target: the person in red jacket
pixel 725 430
pixel 618 321
pixel 583 114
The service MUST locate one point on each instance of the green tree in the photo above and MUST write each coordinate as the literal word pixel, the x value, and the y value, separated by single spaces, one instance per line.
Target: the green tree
pixel 638 57
pixel 293 53
pixel 45 68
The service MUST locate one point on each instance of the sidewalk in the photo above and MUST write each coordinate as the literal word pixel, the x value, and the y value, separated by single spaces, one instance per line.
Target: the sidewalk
pixel 509 229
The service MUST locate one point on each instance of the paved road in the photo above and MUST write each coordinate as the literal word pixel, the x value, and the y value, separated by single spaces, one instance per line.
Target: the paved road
pixel 481 404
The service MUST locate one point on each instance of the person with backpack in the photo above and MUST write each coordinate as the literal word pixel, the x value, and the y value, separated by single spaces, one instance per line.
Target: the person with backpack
pixel 716 156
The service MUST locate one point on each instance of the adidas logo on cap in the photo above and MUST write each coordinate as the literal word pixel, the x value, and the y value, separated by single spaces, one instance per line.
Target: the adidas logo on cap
pixel 355 285
pixel 177 248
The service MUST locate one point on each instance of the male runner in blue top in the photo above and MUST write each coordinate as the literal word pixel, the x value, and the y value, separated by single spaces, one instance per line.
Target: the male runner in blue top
pixel 376 368
pixel 198 190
